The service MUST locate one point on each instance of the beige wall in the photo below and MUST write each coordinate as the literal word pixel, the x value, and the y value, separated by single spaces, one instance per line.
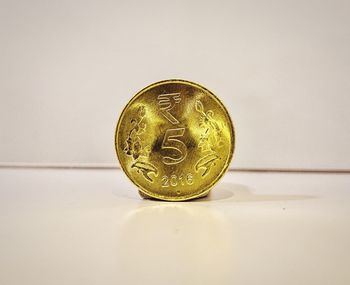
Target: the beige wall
pixel 282 68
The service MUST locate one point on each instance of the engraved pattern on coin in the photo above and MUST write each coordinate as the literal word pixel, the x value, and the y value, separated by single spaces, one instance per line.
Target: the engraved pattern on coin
pixel 135 149
pixel 175 180
pixel 170 142
pixel 168 102
pixel 210 140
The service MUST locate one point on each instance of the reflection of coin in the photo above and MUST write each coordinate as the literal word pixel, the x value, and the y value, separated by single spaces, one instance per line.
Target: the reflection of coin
pixel 174 140
pixel 176 243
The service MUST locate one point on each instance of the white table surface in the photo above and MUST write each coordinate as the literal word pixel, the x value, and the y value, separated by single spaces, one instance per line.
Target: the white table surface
pixel 60 226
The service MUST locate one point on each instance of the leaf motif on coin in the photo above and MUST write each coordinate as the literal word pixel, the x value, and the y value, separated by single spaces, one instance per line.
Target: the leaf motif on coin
pixel 210 139
pixel 206 162
pixel 135 149
pixel 145 168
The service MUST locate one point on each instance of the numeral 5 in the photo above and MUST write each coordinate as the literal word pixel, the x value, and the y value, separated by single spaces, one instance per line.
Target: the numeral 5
pixel 170 142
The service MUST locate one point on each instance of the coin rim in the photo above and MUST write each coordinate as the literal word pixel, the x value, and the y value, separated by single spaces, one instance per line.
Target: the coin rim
pixel 215 181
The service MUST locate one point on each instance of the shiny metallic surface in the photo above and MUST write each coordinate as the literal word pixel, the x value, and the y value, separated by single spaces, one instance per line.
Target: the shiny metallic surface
pixel 174 140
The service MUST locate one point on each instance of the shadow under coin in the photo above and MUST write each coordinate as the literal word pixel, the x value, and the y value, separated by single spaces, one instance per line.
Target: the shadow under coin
pixel 175 243
pixel 240 193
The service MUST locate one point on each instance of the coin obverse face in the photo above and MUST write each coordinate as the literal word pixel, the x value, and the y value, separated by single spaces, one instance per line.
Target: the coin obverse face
pixel 174 140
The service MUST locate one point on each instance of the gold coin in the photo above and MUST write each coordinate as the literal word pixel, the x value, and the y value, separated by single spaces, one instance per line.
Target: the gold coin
pixel 174 140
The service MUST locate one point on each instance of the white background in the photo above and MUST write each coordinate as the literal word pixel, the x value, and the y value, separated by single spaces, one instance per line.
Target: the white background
pixel 282 68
